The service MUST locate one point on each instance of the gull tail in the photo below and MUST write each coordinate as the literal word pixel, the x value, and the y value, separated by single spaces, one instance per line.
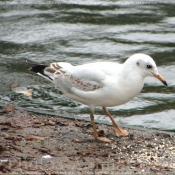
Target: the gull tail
pixel 39 69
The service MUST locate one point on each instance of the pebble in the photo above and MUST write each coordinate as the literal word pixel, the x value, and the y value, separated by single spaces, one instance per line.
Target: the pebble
pixel 4 161
pixel 47 157
pixel 5 98
pixel 154 169
pixel 142 170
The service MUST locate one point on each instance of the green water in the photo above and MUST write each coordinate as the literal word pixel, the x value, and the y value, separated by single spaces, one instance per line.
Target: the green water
pixel 84 32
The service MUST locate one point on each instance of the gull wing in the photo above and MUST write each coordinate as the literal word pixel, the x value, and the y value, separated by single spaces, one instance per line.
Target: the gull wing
pixel 69 77
pixel 76 79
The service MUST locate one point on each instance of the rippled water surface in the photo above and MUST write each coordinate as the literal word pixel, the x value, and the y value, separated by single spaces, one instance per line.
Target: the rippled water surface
pixel 83 32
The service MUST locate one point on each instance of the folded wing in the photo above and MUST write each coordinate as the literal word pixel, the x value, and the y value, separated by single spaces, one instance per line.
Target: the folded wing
pixel 68 77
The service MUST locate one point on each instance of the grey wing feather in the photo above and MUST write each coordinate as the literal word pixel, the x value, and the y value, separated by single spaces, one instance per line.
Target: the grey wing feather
pixel 81 78
pixel 67 77
pixel 81 84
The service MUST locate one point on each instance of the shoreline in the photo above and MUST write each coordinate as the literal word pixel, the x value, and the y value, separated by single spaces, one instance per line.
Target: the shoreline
pixel 87 119
pixel 68 147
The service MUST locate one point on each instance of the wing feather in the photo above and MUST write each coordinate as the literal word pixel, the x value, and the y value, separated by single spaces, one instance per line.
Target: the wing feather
pixel 85 78
pixel 67 77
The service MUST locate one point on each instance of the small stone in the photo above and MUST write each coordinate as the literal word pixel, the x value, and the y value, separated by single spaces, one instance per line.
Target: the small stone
pixel 50 122
pixel 151 158
pixel 14 85
pixel 5 98
pixel 44 150
pixel 166 135
pixel 8 108
pixel 154 169
pixel 131 136
pixel 113 146
pixel 143 171
pixel 150 146
pixel 98 165
pixel 27 92
pixel 77 141
pixel 171 148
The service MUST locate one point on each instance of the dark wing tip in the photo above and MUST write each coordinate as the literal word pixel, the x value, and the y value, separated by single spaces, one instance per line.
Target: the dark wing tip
pixel 165 83
pixel 38 68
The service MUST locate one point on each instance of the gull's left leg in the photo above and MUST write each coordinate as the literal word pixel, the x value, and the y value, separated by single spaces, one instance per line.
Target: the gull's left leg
pixel 118 130
pixel 96 135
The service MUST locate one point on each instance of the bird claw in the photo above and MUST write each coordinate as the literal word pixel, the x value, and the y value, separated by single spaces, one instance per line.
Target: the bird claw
pixel 103 139
pixel 121 132
pixel 100 136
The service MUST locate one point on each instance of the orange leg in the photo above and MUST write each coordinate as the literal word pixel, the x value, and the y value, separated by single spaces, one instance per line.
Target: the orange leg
pixel 96 136
pixel 118 130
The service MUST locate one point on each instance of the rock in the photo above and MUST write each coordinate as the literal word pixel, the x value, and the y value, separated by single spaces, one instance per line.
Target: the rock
pixel 6 99
pixel 14 85
pixel 154 169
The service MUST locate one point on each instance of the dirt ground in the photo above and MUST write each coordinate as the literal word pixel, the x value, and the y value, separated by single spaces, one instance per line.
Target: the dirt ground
pixel 40 144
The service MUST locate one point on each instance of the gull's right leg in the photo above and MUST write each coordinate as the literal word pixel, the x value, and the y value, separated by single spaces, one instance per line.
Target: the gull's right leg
pixel 118 130
pixel 96 136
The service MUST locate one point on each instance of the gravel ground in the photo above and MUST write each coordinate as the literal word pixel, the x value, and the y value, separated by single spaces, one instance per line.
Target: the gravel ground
pixel 41 144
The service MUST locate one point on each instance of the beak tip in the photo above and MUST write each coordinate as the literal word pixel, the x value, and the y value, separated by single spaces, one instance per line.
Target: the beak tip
pixel 159 77
pixel 165 83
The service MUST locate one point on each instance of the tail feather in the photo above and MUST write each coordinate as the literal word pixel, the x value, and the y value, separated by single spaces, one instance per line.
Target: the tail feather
pixel 39 69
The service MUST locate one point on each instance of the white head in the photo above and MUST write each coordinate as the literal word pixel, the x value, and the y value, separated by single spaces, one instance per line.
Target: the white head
pixel 145 66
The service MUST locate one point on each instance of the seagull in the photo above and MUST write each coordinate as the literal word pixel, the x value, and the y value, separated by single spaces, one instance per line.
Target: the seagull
pixel 104 84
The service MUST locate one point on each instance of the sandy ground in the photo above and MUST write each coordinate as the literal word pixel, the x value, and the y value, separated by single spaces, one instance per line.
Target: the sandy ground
pixel 41 144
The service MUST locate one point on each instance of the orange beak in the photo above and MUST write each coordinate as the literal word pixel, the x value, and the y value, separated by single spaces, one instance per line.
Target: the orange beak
pixel 159 77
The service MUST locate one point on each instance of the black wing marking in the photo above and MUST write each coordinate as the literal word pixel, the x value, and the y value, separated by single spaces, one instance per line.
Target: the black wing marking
pixel 38 68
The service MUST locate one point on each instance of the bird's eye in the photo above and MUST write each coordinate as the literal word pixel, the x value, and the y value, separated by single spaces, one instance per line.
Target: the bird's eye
pixel 149 66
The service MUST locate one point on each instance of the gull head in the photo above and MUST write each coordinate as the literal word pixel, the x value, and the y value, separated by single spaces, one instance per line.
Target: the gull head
pixel 145 66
